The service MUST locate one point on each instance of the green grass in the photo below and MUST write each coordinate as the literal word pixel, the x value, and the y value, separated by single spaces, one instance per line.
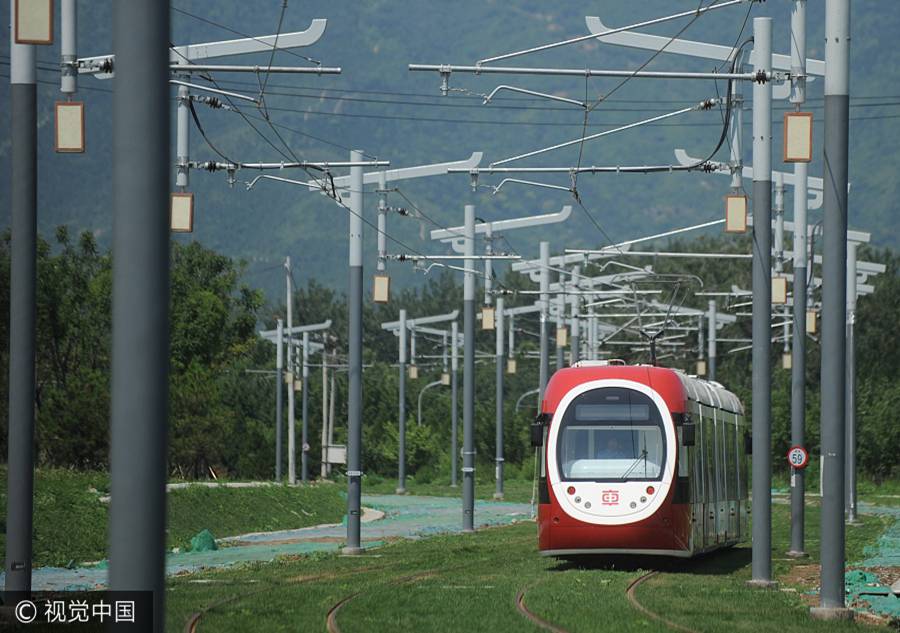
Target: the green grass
pixel 70 521
pixel 469 583
pixel 232 511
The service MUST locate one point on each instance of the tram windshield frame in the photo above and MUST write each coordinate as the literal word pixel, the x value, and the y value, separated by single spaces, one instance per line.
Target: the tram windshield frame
pixel 611 434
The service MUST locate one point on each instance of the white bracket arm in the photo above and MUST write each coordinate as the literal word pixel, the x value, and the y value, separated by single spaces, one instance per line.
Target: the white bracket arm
pixel 703 50
pixel 402 173
pixel 411 323
pixel 297 329
pixel 102 65
pixel 454 235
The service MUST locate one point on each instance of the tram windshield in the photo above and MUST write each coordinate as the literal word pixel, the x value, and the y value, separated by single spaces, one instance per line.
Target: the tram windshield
pixel 611 434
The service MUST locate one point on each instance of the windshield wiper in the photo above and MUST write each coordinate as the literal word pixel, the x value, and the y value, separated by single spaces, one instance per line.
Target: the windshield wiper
pixel 642 456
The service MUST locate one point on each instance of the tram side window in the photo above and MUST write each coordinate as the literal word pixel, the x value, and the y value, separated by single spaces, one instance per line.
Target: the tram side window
pixel 743 458
pixel 697 489
pixel 709 456
pixel 731 457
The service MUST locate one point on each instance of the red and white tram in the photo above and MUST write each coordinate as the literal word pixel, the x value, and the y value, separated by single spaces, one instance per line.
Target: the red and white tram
pixel 638 459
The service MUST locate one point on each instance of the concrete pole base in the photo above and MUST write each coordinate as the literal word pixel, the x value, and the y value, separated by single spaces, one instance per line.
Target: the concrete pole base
pixel 831 613
pixel 352 551
pixel 468 530
pixel 498 496
pixel 454 485
pixel 793 554
pixel 762 584
pixel 853 521
pixel 400 491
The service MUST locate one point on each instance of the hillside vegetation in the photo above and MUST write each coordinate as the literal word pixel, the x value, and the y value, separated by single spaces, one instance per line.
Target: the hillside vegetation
pixel 378 105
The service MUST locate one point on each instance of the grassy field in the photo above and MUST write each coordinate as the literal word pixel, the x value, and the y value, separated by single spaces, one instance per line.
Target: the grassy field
pixel 70 520
pixel 469 583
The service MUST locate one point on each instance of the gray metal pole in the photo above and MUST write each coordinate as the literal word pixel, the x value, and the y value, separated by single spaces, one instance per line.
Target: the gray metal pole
pixel 798 349
pixel 850 398
pixel 279 390
pixel 575 344
pixel 68 46
pixel 22 313
pixel 304 410
pixel 700 341
pixel 762 309
pixel 354 342
pixel 323 467
pixel 834 288
pixel 140 301
pixel 292 449
pixel 778 209
pixel 381 238
pixel 468 469
pixel 560 322
pixel 511 329
pixel 498 324
pixel 182 137
pixel 401 450
pixel 544 368
pixel 488 265
pixel 711 342
pixel 454 403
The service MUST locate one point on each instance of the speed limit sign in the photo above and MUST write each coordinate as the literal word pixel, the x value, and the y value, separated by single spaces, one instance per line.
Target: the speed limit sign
pixel 798 457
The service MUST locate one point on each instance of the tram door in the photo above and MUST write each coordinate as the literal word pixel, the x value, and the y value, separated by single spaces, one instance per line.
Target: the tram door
pixel 698 489
pixel 721 496
pixel 709 459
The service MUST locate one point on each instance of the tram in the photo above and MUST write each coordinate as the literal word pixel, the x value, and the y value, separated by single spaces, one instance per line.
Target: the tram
pixel 639 459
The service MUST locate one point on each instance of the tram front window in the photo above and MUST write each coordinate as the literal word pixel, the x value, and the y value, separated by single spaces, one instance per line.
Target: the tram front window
pixel 611 434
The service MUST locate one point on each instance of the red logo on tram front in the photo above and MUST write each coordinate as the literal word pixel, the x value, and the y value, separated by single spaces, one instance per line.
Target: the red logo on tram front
pixel 609 497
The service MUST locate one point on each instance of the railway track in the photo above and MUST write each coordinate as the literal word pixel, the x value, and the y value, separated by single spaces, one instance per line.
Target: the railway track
pixel 632 598
pixel 630 592
pixel 193 620
pixel 331 622
pixel 331 617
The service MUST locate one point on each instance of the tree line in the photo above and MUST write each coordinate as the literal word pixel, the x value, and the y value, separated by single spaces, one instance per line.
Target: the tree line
pixel 222 392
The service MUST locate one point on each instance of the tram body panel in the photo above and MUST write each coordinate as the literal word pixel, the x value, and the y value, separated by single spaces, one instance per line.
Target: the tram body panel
pixel 656 496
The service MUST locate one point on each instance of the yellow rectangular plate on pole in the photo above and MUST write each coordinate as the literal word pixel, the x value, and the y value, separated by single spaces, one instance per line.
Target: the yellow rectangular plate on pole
pixel 562 336
pixel 69 127
pixel 487 318
pixel 511 366
pixel 779 290
pixel 445 379
pixel 381 289
pixel 810 321
pixel 34 22
pixel 413 372
pixel 701 367
pixel 798 129
pixel 735 214
pixel 182 213
pixel 786 360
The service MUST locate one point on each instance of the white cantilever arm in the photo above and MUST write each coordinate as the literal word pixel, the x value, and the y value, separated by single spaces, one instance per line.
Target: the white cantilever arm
pixel 404 173
pixel 207 50
pixel 689 47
